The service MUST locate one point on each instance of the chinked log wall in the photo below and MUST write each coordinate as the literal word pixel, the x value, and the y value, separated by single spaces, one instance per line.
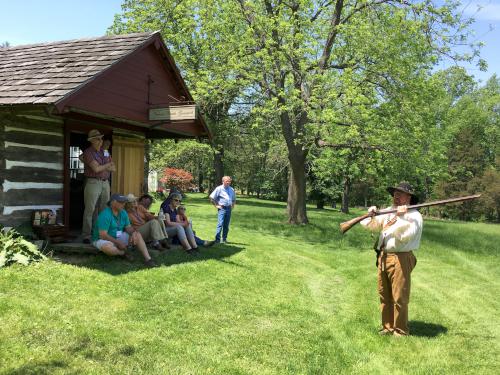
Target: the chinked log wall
pixel 31 167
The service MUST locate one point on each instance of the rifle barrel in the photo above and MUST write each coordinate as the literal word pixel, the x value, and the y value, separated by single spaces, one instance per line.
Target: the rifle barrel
pixel 433 203
pixel 345 226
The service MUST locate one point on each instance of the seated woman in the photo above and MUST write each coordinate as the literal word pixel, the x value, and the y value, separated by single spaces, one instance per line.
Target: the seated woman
pixel 183 232
pixel 112 232
pixel 180 218
pixel 151 229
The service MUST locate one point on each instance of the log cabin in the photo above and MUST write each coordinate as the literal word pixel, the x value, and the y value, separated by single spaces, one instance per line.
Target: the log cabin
pixel 52 94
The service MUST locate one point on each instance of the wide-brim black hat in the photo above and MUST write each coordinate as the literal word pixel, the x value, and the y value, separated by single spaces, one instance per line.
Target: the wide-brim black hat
pixel 405 187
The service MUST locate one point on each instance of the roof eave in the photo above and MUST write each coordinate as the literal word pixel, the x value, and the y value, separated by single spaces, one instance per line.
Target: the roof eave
pixel 60 103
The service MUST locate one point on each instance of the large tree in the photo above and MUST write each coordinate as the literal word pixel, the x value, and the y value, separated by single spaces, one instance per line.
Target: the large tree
pixel 316 65
pixel 326 64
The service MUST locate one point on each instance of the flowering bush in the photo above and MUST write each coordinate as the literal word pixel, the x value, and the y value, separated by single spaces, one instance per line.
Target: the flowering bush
pixel 177 178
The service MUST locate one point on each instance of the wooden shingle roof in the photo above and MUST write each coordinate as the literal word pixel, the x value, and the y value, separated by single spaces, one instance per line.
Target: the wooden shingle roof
pixel 46 73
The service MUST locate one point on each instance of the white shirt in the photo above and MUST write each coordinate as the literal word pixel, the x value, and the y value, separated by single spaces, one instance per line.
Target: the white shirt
pixel 402 236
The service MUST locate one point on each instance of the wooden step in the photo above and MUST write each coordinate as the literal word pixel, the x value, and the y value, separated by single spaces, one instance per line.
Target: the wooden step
pixel 74 248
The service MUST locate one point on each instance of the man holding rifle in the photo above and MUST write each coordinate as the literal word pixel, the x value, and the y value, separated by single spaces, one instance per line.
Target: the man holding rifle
pixel 399 237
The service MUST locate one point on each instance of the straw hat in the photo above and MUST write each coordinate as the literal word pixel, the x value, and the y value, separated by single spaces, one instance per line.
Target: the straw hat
pixel 94 133
pixel 131 197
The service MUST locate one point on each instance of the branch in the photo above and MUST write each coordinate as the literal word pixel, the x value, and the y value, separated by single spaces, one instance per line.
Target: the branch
pixel 343 66
pixel 366 5
pixel 320 10
pixel 332 35
pixel 338 146
pixel 339 123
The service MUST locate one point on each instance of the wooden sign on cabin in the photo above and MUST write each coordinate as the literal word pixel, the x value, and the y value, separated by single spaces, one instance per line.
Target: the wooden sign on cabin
pixel 173 113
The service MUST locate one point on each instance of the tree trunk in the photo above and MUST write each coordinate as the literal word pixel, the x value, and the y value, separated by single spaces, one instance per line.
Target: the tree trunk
pixel 345 195
pixel 297 189
pixel 218 167
pixel 296 201
pixel 201 188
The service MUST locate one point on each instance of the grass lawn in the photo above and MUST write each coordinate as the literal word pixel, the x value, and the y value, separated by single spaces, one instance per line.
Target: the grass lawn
pixel 277 299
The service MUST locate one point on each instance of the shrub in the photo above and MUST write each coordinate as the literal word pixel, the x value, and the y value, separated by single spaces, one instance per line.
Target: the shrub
pixel 15 249
pixel 178 179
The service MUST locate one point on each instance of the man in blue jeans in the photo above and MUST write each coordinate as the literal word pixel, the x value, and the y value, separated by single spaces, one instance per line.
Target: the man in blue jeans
pixel 223 198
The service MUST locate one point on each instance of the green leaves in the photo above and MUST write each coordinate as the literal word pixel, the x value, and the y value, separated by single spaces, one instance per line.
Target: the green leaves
pixel 362 81
pixel 15 249
pixel 472 156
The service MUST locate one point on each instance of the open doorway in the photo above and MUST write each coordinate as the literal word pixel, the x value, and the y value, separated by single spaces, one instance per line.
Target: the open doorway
pixel 77 144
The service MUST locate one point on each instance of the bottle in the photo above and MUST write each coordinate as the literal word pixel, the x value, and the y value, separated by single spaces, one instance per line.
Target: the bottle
pixel 51 218
pixel 161 215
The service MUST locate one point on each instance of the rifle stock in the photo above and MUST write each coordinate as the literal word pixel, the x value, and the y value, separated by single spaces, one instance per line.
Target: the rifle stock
pixel 346 225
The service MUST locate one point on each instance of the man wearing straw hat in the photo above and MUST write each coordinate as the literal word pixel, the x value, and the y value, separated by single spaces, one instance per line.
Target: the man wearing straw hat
pixel 98 168
pixel 399 237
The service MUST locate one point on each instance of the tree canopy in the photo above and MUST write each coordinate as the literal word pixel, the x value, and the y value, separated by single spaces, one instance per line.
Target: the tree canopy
pixel 328 97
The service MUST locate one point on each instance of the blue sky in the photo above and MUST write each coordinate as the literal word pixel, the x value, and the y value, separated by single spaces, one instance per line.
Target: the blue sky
pixel 35 21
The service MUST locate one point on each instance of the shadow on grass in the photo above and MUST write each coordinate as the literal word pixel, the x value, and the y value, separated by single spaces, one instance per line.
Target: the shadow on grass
pixel 424 329
pixel 261 203
pixel 39 368
pixel 323 228
pixel 118 266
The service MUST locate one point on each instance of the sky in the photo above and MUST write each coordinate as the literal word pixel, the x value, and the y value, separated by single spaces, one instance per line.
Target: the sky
pixel 37 21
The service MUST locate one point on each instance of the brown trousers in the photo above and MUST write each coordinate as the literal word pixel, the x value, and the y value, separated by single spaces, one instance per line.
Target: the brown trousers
pixel 394 281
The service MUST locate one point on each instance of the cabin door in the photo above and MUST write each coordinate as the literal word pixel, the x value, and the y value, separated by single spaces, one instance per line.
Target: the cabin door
pixel 128 156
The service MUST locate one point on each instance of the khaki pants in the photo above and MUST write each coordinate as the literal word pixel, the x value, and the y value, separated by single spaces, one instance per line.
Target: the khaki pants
pixel 95 191
pixel 153 231
pixel 394 281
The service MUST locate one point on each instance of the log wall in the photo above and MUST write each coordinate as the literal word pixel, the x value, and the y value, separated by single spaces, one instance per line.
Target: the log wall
pixel 31 166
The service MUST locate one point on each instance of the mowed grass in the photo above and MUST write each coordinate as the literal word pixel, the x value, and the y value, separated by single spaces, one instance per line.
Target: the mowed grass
pixel 278 299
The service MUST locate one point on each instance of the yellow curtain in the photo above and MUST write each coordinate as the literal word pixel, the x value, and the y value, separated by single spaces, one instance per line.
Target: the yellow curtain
pixel 128 156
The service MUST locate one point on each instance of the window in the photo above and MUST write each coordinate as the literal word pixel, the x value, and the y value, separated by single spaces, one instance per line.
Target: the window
pixel 75 164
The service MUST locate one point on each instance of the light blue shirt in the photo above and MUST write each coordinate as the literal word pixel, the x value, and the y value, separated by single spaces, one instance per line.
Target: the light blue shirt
pixel 223 196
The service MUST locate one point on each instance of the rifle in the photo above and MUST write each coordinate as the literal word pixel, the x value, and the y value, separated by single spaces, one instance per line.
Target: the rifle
pixel 345 226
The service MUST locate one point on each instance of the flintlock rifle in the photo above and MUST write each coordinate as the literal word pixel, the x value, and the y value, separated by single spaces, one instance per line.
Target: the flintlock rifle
pixel 345 226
